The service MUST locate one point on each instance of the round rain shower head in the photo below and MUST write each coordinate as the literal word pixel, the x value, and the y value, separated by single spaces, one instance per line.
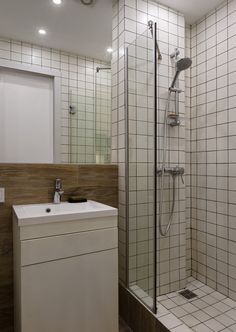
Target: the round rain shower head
pixel 183 64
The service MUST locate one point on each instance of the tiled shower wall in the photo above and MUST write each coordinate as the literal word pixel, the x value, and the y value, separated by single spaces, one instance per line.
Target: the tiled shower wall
pixel 77 88
pixel 171 249
pixel 213 149
pixel 130 19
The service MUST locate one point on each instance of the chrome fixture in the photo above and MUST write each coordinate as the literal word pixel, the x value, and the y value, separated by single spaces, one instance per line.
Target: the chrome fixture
pixel 171 119
pixel 98 69
pixel 173 171
pixel 181 65
pixel 58 192
pixel 175 53
pixel 150 27
pixel 72 110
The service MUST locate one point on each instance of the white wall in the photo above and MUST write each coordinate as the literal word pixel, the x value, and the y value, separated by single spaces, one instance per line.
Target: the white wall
pixel 26 117
pixel 213 149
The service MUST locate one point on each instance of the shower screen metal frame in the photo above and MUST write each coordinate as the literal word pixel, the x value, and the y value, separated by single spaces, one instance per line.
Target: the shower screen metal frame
pixel 155 50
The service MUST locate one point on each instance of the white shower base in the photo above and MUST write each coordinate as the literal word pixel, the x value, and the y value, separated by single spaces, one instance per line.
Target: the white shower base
pixel 209 311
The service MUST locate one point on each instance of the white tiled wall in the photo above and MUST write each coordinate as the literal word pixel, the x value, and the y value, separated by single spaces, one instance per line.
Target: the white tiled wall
pixel 77 87
pixel 130 19
pixel 171 266
pixel 213 149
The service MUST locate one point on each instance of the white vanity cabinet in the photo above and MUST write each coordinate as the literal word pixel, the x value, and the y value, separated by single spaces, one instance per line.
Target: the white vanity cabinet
pixel 65 268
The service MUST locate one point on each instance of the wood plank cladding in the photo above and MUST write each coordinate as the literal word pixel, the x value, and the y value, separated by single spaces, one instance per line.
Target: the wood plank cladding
pixel 136 315
pixel 34 183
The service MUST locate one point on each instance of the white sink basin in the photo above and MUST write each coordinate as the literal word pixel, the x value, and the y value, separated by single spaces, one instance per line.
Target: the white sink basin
pixel 47 213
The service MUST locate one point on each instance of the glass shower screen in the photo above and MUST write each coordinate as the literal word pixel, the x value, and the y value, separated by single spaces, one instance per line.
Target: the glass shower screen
pixel 140 161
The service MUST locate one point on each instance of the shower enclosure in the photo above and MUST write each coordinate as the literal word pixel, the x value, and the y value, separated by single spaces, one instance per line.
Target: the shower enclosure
pixel 155 168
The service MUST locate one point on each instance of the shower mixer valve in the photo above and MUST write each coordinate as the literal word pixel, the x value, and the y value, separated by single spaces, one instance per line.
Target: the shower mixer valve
pixel 173 171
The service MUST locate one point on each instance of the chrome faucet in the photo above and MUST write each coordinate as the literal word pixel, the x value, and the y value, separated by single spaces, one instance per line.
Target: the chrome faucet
pixel 58 192
pixel 173 171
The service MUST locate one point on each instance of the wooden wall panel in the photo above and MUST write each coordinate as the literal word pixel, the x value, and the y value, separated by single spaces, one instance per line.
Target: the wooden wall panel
pixel 34 183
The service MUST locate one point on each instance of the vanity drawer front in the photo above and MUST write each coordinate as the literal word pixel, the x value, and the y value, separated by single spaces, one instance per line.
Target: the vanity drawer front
pixel 66 227
pixel 57 247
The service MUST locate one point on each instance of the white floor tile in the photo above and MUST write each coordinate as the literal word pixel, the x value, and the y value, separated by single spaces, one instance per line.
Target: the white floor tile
pixel 207 289
pixel 201 328
pixel 170 321
pixel 218 296
pixel 200 304
pixel 209 299
pixel 214 325
pixel 221 307
pixel 229 302
pixel 179 312
pixel 231 314
pixel 190 320
pixel 181 328
pixel 225 320
pixel 161 310
pixel 168 304
pixel 233 328
pixel 189 307
pixel 179 300
pixel 201 316
pixel 213 312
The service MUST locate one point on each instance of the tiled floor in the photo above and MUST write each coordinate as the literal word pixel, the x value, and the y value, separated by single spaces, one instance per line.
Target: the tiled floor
pixel 209 311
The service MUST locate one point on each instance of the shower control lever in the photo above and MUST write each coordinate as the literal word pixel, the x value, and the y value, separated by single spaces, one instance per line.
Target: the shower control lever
pixel 174 171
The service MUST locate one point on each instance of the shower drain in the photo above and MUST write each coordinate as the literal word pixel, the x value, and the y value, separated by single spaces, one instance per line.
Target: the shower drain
pixel 188 294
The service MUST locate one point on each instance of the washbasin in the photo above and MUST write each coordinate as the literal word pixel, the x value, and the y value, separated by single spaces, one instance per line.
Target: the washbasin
pixel 48 212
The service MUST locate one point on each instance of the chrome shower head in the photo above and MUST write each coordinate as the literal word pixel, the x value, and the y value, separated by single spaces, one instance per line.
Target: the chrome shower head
pixel 181 65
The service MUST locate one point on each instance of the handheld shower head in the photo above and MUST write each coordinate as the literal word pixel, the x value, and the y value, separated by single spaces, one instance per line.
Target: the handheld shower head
pixel 181 65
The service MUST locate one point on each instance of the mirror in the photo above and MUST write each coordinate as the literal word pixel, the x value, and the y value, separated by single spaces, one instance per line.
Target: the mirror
pixel 55 82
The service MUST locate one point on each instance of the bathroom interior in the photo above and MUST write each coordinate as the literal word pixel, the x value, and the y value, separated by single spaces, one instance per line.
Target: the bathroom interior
pixel 117 165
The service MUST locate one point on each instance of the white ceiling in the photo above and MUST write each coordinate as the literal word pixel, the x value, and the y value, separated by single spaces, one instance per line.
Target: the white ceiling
pixel 193 10
pixel 73 27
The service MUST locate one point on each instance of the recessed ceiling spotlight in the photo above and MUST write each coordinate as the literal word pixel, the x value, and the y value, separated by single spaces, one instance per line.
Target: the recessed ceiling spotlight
pixel 42 31
pixel 57 2
pixel 109 50
pixel 87 2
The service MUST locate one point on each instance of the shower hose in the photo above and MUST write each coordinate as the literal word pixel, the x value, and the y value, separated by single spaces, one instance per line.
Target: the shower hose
pixel 162 174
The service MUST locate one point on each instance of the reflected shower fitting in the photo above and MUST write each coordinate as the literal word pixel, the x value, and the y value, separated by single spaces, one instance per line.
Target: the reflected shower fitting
pixel 171 119
pixel 150 27
pixel 98 69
